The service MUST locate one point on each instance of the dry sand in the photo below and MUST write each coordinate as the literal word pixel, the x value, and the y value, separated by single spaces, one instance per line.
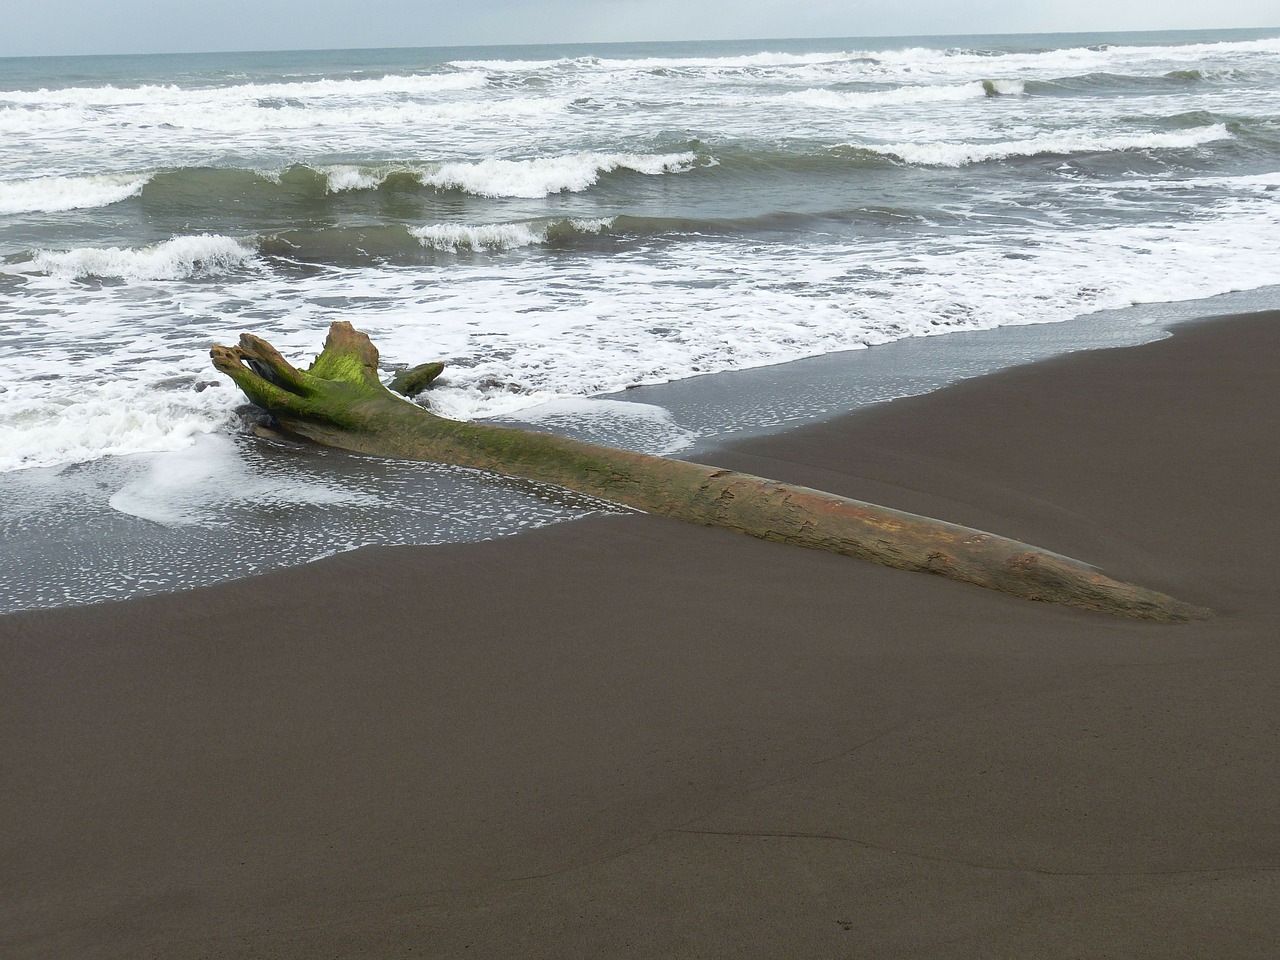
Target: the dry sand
pixel 628 737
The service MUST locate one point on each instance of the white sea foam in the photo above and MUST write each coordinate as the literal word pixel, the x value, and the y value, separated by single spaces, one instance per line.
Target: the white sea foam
pixel 497 236
pixel 397 84
pixel 108 94
pixel 493 236
pixel 54 194
pixel 466 118
pixel 79 416
pixel 170 122
pixel 543 176
pixel 613 64
pixel 88 367
pixel 1064 61
pixel 17 121
pixel 1003 88
pixel 514 340
pixel 178 259
pixel 529 178
pixel 113 96
pixel 132 126
pixel 195 486
pixel 371 117
pixel 1258 184
pixel 903 96
pixel 635 426
pixel 960 154
pixel 345 178
pixel 868 62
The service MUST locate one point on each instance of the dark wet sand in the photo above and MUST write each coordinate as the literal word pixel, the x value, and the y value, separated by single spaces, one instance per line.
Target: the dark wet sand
pixel 628 737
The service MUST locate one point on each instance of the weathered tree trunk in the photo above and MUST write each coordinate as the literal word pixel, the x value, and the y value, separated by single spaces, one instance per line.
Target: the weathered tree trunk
pixel 339 401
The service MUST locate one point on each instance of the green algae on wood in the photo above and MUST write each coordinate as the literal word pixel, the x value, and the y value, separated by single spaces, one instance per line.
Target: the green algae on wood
pixel 339 401
pixel 413 381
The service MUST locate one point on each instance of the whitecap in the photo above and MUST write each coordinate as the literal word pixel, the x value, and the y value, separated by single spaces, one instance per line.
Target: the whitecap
pixel 961 154
pixel 178 259
pixel 56 194
pixel 543 176
pixel 341 179
pixel 498 236
pixel 73 419
pixel 903 96
pixel 111 95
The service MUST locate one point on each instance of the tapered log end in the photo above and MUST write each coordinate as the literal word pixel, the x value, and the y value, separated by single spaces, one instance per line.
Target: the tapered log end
pixel 1100 592
pixel 1139 604
pixel 1042 575
pixel 1170 610
pixel 1128 600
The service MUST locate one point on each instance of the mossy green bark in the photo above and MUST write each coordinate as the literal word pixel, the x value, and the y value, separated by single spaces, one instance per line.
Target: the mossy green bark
pixel 413 381
pixel 339 401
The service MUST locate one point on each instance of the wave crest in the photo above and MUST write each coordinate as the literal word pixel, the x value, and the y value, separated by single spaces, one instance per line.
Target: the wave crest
pixel 902 96
pixel 504 236
pixel 963 154
pixel 543 176
pixel 109 95
pixel 178 259
pixel 56 194
pixel 197 188
pixel 906 62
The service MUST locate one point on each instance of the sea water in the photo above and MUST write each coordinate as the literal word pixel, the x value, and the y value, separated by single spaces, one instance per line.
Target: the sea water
pixel 560 223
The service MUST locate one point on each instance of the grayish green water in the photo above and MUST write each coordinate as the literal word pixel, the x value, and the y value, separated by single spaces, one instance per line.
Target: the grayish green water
pixel 559 223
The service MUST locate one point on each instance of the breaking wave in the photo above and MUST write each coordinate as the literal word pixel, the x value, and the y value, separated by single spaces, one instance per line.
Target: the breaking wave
pixel 352 87
pixel 56 194
pixel 181 258
pixel 260 190
pixel 963 154
pixel 885 63
pixel 903 96
pixel 505 236
pixel 543 176
pixel 425 243
pixel 211 255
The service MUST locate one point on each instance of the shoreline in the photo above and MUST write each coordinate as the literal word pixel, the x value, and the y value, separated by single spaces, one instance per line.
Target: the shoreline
pixel 628 736
pixel 816 389
pixel 126 527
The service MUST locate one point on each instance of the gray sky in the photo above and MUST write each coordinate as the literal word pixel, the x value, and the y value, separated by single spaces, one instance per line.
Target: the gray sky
pixel 52 27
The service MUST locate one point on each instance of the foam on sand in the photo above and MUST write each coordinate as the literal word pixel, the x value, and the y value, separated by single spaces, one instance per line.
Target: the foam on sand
pixel 635 426
pixel 195 486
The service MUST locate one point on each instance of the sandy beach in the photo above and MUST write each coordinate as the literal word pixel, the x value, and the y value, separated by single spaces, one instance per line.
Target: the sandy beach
pixel 630 737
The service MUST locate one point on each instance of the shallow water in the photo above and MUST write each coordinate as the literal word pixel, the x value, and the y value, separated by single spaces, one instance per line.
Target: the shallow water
pixel 562 223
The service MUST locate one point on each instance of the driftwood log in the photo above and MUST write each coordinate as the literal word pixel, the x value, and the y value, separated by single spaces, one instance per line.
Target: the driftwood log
pixel 339 401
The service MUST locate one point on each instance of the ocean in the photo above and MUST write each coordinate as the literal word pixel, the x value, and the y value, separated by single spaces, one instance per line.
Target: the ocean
pixel 569 228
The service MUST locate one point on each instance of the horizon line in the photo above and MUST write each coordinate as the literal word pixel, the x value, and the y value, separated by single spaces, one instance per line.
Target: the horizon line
pixel 622 43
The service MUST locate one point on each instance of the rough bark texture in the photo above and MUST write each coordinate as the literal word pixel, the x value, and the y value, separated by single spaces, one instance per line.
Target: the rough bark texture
pixel 339 401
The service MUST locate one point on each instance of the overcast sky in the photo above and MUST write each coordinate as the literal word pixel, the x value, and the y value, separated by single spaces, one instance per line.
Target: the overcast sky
pixel 52 27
